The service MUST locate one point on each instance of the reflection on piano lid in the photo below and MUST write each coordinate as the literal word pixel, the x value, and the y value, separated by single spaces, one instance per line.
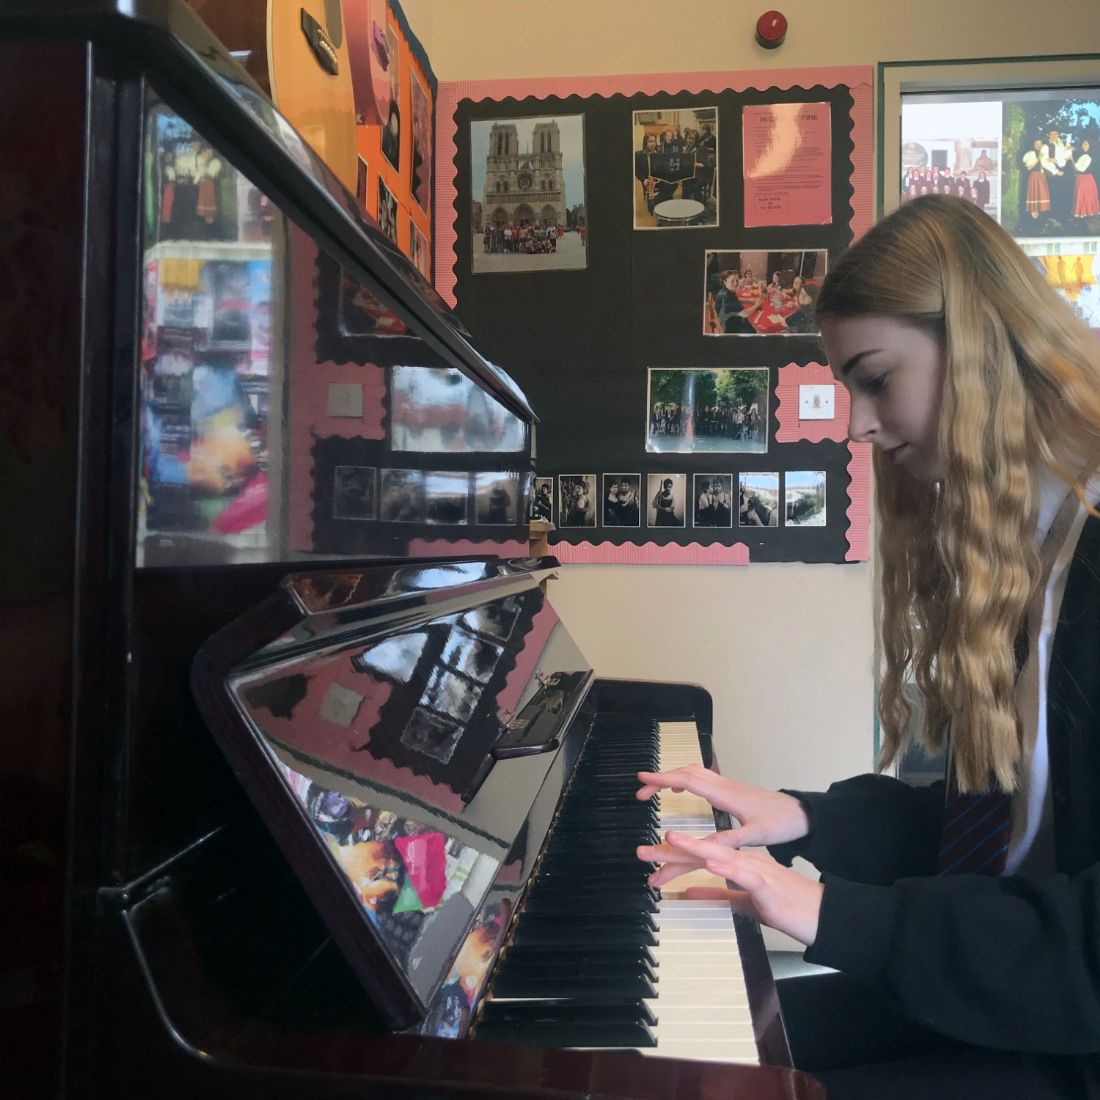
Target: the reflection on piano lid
pixel 455 792
pixel 365 729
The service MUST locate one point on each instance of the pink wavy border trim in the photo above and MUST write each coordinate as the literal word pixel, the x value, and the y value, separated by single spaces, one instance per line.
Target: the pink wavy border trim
pixel 857 78
pixel 791 428
pixel 859 508
pixel 511 548
pixel 607 553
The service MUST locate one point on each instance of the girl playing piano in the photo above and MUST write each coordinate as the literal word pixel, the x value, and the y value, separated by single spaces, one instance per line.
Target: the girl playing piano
pixel 962 919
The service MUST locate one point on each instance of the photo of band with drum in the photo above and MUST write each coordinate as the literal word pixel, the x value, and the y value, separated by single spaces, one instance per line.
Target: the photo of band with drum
pixel 676 168
pixel 762 293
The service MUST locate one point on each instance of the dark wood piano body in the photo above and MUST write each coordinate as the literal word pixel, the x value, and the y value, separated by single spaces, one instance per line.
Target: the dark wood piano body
pixel 157 941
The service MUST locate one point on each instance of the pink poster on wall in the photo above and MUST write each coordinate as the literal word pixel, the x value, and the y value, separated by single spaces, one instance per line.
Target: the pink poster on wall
pixel 787 158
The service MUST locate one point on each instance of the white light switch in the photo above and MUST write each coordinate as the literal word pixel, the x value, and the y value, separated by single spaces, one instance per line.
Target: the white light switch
pixel 816 402
pixel 345 399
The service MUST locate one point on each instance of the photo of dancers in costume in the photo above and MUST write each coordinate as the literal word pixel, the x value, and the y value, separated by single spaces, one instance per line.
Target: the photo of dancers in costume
pixel 761 293
pixel 666 493
pixel 675 168
pixel 577 500
pixel 696 410
pixel 1050 171
pixel 758 500
pixel 621 500
pixel 713 500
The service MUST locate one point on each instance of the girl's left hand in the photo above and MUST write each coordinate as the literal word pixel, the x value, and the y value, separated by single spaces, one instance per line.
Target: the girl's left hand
pixel 774 894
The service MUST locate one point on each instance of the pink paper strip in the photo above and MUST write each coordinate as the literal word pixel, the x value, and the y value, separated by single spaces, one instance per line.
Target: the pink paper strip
pixel 788 164
pixel 606 553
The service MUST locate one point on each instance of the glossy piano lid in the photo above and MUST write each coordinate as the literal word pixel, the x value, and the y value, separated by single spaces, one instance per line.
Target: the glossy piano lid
pixel 360 709
pixel 191 68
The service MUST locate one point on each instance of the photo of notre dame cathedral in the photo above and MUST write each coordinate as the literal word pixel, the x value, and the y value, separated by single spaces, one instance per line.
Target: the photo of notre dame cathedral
pixel 528 194
pixel 525 188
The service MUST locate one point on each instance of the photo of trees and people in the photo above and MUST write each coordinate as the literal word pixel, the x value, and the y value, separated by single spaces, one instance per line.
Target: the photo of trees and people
pixel 695 410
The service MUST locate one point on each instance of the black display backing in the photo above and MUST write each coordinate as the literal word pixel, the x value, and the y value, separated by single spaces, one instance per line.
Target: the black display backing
pixel 579 342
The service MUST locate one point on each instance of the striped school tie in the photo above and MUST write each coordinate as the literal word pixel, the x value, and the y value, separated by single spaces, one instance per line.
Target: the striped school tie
pixel 974 837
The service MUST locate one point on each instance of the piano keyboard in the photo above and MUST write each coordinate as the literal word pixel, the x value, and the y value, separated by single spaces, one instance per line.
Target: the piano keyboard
pixel 598 958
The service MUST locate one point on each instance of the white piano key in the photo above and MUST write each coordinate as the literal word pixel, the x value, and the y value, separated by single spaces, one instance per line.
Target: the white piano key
pixel 702 1004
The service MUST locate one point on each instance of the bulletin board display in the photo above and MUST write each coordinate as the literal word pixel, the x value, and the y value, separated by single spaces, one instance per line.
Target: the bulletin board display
pixel 644 263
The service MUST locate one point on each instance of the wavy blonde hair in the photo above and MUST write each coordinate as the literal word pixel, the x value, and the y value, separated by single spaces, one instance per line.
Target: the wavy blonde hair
pixel 1021 392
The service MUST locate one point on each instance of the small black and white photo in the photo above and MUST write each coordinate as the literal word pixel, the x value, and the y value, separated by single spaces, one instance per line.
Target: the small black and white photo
pixel 353 494
pixel 804 498
pixel 470 655
pixel 387 211
pixel 496 497
pixel 622 500
pixel 402 497
pixel 692 410
pixel 667 498
pixel 432 735
pixel 713 500
pixel 446 496
pixel 758 500
pixel 450 694
pixel 577 500
pixel 542 499
pixel 494 620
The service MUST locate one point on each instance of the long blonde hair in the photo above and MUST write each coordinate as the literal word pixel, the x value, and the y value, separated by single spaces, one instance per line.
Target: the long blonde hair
pixel 1021 392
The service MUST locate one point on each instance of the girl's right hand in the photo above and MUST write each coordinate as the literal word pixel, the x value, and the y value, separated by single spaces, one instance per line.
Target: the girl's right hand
pixel 765 817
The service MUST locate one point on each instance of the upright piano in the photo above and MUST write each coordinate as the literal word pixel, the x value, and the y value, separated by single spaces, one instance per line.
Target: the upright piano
pixel 306 788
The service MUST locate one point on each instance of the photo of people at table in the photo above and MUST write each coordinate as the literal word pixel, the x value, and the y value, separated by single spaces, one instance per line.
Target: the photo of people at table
pixel 675 168
pixel 804 498
pixel 758 500
pixel 698 409
pixel 762 293
pixel 621 500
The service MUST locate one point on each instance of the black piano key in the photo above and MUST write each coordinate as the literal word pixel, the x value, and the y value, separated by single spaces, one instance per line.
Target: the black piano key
pixel 625 1035
pixel 583 936
pixel 595 988
pixel 608 906
pixel 571 959
pixel 539 968
pixel 595 1014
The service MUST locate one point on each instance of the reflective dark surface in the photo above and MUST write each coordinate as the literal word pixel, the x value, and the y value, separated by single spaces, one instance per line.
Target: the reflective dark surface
pixel 377 712
pixel 286 410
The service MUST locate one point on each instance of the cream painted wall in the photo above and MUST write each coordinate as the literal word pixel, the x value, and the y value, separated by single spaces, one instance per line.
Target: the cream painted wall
pixel 483 39
pixel 786 650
